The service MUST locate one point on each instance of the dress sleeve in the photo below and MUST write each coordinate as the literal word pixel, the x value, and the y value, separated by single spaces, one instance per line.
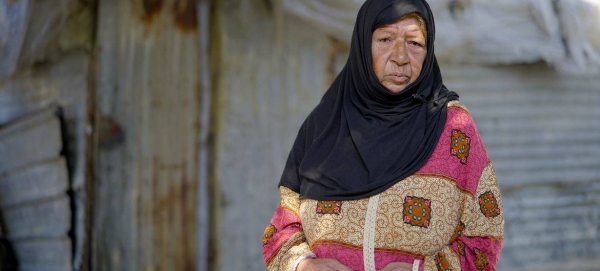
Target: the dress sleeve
pixel 284 244
pixel 477 240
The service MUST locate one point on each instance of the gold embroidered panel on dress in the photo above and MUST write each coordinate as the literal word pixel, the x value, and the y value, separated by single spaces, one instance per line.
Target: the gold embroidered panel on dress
pixel 461 248
pixel 460 145
pixel 445 200
pixel 481 259
pixel 289 261
pixel 486 217
pixel 488 204
pixel 288 254
pixel 268 234
pixel 329 207
pixel 442 197
pixel 289 199
pixel 417 211
pixel 346 227
pixel 460 228
pixel 444 260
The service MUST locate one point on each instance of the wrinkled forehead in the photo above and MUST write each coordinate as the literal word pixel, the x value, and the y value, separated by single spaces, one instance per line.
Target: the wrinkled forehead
pixel 397 10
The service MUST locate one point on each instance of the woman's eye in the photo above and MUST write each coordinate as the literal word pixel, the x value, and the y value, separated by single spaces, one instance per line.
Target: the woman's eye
pixel 414 43
pixel 385 40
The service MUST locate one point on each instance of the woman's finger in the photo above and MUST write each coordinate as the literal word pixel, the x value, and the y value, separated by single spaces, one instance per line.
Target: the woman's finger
pixel 339 266
pixel 397 267
pixel 321 265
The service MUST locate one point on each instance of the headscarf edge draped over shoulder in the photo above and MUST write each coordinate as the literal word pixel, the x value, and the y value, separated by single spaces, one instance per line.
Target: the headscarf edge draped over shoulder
pixel 361 138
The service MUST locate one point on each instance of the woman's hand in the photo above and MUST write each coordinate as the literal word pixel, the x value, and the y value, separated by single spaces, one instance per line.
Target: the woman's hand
pixel 321 265
pixel 397 267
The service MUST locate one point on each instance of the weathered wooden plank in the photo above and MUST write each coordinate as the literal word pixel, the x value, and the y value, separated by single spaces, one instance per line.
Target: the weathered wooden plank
pixel 44 254
pixel 29 140
pixel 45 219
pixel 37 182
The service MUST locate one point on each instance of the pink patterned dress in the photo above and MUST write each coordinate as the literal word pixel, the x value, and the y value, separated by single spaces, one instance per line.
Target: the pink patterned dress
pixel 446 216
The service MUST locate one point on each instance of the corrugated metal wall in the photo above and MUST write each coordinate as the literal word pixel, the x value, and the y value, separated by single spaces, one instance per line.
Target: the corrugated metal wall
pixel 542 131
pixel 148 82
pixel 272 74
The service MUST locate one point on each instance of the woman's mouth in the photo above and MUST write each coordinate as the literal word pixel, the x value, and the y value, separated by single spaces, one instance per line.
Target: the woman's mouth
pixel 399 78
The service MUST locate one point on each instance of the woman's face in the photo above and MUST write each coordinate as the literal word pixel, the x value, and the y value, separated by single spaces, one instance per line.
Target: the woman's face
pixel 399 50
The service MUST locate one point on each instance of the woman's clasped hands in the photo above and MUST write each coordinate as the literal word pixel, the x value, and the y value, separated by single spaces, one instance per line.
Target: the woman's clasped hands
pixel 335 265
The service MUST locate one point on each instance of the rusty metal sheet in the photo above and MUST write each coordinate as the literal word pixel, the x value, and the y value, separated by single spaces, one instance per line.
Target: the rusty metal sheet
pixel 149 83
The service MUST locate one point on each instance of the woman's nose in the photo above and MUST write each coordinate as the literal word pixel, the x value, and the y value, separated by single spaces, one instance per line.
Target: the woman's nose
pixel 400 54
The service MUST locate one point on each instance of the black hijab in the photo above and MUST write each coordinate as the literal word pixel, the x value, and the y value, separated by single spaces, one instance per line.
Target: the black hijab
pixel 362 138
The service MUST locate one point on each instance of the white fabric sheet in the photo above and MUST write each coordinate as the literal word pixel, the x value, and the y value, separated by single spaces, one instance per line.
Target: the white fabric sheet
pixel 564 33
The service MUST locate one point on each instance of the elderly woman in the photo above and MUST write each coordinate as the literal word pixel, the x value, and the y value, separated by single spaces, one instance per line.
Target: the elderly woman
pixel 388 172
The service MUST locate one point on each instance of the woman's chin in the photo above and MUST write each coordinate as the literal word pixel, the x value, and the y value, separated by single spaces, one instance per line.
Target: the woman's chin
pixel 396 88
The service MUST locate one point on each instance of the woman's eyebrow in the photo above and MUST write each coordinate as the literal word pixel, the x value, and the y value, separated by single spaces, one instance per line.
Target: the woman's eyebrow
pixel 414 29
pixel 384 29
pixel 417 34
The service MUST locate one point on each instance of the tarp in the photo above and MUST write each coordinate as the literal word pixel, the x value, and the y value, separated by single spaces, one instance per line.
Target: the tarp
pixel 13 25
pixel 29 32
pixel 580 24
pixel 564 33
